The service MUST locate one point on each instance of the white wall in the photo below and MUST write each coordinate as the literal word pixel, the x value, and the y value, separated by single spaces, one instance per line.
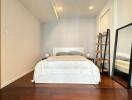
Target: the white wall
pixel 69 32
pixel 124 12
pixel 20 45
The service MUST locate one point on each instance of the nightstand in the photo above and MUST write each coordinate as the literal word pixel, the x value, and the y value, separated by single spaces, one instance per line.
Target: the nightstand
pixel 44 58
pixel 90 58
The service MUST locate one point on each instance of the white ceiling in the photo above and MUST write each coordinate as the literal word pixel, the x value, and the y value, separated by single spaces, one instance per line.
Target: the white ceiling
pixel 43 9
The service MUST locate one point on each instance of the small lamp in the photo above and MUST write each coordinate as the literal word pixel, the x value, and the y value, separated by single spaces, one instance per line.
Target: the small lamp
pixel 88 55
pixel 46 55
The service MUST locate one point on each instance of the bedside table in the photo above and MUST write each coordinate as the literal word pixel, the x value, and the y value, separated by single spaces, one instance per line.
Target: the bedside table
pixel 90 58
pixel 44 58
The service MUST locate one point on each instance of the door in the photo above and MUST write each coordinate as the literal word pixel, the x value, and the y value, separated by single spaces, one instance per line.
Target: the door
pixel 105 21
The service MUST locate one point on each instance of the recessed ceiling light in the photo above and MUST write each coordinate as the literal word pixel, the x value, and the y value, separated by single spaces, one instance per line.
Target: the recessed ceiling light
pixel 91 7
pixel 60 8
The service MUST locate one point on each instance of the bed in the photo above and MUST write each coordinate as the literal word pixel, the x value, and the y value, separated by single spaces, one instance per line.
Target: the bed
pixel 72 69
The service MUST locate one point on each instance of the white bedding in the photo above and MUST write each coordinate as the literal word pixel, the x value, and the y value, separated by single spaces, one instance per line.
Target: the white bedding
pixel 66 69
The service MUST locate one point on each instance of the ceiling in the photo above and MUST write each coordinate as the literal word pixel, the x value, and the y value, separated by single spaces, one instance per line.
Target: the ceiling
pixel 47 10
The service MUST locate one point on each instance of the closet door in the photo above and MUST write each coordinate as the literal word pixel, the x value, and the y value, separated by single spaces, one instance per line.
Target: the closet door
pixel 105 21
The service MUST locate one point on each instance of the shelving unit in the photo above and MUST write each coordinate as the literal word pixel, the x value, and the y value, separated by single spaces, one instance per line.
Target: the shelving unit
pixel 103 51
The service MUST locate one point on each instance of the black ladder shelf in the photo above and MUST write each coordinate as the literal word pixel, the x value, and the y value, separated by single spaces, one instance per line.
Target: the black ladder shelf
pixel 103 51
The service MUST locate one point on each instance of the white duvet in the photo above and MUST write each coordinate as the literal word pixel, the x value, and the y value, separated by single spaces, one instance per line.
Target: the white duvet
pixel 66 69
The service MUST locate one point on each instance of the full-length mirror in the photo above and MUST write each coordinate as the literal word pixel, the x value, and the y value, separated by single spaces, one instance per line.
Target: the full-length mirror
pixel 122 58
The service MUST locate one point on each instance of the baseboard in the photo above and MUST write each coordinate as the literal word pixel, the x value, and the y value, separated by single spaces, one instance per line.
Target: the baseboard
pixel 16 78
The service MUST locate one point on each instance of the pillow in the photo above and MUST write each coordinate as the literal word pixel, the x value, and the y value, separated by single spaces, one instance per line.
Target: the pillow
pixel 76 53
pixel 62 53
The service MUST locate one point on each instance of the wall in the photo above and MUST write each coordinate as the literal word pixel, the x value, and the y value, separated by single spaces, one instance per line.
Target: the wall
pixel 124 15
pixel 20 44
pixel 69 32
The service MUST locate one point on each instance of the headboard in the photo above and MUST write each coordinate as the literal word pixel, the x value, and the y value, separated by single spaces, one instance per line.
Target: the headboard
pixel 57 50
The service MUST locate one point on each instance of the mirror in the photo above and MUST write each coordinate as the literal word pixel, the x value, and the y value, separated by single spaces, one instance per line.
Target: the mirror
pixel 122 57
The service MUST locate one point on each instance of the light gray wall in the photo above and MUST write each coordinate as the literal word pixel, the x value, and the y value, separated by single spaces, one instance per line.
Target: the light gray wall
pixel 124 15
pixel 69 32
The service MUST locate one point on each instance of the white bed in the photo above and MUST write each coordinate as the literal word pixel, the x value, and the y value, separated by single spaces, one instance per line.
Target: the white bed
pixel 66 69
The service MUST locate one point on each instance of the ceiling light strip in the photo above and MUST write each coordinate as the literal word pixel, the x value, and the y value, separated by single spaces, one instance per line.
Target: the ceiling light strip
pixel 54 8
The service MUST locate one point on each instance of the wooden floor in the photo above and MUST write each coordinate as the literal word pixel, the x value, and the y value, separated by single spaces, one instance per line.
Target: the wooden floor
pixel 23 89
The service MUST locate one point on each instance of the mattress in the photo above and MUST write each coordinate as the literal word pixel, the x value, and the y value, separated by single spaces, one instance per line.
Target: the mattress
pixel 122 66
pixel 66 69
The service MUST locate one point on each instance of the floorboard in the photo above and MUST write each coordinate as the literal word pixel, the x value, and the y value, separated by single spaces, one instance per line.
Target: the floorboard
pixel 23 89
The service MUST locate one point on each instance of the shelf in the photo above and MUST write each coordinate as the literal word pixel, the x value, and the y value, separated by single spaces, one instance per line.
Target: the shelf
pixel 101 59
pixel 99 51
pixel 103 50
pixel 102 35
pixel 102 44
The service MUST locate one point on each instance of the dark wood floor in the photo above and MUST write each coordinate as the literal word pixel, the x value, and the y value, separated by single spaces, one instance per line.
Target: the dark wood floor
pixel 23 89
